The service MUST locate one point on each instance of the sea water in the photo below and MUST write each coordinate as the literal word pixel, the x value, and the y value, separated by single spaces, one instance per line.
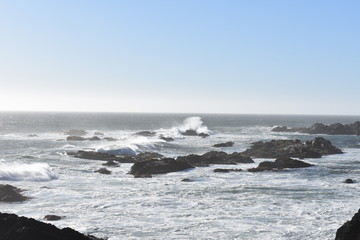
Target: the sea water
pixel 308 203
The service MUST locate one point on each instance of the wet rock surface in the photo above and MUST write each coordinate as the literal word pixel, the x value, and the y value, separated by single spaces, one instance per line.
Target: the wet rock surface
pixel 76 132
pixel 292 148
pixel 52 218
pixel 280 164
pixel 10 193
pixel 226 144
pixel 227 170
pixel 191 132
pixel 13 227
pixel 103 171
pixel 350 230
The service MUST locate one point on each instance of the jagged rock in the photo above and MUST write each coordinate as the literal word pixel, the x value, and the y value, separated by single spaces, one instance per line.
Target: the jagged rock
pixel 162 166
pixel 111 163
pixel 350 230
pixel 103 171
pixel 214 157
pixel 76 132
pixel 226 144
pixel 52 218
pixel 292 148
pixel 75 138
pixel 10 193
pixel 227 170
pixel 13 227
pixel 320 128
pixel 280 164
pixel 146 133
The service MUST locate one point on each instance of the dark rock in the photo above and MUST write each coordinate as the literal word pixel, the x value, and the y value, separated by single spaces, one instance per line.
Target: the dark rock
pixel 280 164
pixel 103 171
pixel 98 134
pixel 110 139
pixel 226 144
pixel 52 217
pixel 187 180
pixel 214 157
pixel 162 166
pixel 126 159
pixel 227 170
pixel 143 176
pixel 75 138
pixel 13 227
pixel 281 129
pixel 94 138
pixel 111 163
pixel 10 193
pixel 191 132
pixel 292 148
pixel 146 133
pixel 350 230
pixel 167 139
pixel 145 156
pixel 76 132
pixel 95 155
pixel 32 135
pixel 349 181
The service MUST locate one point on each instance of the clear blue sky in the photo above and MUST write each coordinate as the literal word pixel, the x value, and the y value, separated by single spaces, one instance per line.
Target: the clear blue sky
pixel 241 56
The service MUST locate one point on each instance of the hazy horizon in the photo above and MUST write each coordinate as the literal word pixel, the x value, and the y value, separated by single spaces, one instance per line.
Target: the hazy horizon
pixel 226 57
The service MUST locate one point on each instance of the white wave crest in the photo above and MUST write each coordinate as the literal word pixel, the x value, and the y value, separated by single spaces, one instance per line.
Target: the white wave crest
pixel 195 124
pixel 26 172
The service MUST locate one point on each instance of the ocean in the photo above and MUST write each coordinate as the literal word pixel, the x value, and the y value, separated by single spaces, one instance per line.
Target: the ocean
pixel 310 203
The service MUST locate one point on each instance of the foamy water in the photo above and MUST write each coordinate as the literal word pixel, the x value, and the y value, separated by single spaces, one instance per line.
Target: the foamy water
pixel 306 203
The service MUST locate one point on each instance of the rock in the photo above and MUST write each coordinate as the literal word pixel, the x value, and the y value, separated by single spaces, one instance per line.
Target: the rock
pixel 110 139
pixel 226 144
pixel 187 180
pixel 52 217
pixel 350 230
pixel 103 171
pixel 13 227
pixel 111 163
pixel 320 128
pixel 146 133
pixel 143 176
pixel 214 157
pixel 32 135
pixel 167 139
pixel 162 166
pixel 10 193
pixel 98 133
pixel 349 181
pixel 94 138
pixel 145 156
pixel 76 132
pixel 191 132
pixel 75 138
pixel 95 155
pixel 227 170
pixel 280 164
pixel 292 148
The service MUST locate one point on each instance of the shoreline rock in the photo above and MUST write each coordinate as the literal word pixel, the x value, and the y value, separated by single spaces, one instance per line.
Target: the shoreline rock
pixel 226 144
pixel 280 164
pixel 350 230
pixel 9 193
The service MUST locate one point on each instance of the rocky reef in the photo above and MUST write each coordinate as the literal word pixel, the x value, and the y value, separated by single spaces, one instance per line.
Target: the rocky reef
pixel 10 193
pixel 280 164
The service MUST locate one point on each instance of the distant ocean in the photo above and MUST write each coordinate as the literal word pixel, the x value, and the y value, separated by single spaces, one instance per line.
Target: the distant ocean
pixel 297 204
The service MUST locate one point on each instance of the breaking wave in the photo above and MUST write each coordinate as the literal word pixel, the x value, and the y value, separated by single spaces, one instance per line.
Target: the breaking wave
pixel 26 172
pixel 195 124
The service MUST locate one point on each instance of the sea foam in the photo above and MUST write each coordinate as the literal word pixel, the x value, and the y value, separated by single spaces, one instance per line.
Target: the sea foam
pixel 193 123
pixel 26 172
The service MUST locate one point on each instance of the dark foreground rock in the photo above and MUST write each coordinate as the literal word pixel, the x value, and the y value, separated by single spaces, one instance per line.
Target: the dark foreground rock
pixel 320 128
pixel 350 230
pixel 215 157
pixel 226 144
pixel 166 165
pixel 280 164
pixel 292 148
pixel 13 227
pixel 10 193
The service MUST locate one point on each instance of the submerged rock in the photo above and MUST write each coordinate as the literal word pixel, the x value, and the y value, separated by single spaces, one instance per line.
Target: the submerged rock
pixel 350 230
pixel 292 148
pixel 110 139
pixel 94 138
pixel 95 155
pixel 226 144
pixel 349 181
pixel 227 170
pixel 103 171
pixel 75 138
pixel 111 163
pixel 146 133
pixel 10 193
pixel 167 139
pixel 214 157
pixel 52 218
pixel 13 227
pixel 162 166
pixel 280 164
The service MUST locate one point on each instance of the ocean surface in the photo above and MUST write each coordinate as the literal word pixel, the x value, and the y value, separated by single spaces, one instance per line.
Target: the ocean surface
pixel 309 203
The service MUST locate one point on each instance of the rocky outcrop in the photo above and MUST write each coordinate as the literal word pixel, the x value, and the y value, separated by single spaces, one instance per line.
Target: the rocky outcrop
pixel 280 164
pixel 350 230
pixel 320 128
pixel 95 155
pixel 52 218
pixel 191 132
pixel 10 193
pixel 214 157
pixel 226 144
pixel 292 148
pixel 13 227
pixel 227 170
pixel 166 165
pixel 103 171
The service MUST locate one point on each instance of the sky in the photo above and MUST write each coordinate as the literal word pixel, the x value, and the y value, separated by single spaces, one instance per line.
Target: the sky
pixel 192 56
